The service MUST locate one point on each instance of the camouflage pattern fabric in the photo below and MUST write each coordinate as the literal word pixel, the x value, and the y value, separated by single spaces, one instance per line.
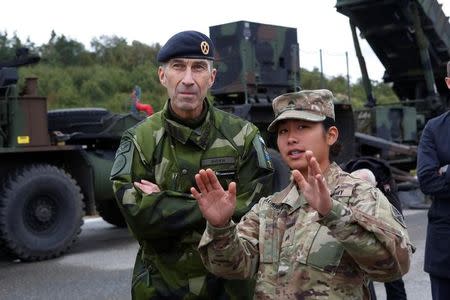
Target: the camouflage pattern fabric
pixel 295 254
pixel 251 56
pixel 309 105
pixel 168 224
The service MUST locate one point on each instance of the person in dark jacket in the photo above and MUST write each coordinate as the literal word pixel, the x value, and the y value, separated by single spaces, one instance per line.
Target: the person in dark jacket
pixel 378 173
pixel 433 158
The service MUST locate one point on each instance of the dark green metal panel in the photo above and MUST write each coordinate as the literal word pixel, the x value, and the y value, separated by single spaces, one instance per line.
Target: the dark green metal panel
pixel 23 119
pixel 433 11
pixel 256 62
pixel 412 40
pixel 8 102
pixel 101 163
pixel 392 123
pixel 396 124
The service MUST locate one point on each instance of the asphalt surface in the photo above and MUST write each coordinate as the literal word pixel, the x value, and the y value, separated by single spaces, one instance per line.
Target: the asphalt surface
pixel 99 267
pixel 417 282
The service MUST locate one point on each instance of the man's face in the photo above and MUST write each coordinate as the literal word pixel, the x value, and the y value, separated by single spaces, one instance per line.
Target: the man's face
pixel 447 80
pixel 187 82
pixel 297 136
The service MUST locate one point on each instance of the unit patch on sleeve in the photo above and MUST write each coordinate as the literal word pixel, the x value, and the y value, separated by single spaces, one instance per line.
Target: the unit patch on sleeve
pixel 264 159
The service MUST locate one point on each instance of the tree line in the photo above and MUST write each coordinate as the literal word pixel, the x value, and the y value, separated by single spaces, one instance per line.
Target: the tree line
pixel 70 75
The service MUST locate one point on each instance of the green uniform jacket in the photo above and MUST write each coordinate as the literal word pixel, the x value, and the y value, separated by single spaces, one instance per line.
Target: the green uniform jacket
pixel 168 224
pixel 295 254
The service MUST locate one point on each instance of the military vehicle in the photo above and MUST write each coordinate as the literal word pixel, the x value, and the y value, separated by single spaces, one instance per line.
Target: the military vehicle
pixel 257 62
pixel 54 167
pixel 411 38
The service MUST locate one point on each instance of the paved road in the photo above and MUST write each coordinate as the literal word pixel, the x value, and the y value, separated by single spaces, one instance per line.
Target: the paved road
pixel 99 267
pixel 417 282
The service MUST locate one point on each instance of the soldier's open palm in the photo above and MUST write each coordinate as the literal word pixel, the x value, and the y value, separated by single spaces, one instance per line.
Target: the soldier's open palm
pixel 314 187
pixel 216 204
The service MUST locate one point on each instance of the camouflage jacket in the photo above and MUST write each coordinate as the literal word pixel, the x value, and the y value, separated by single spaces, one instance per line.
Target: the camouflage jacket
pixel 168 224
pixel 295 254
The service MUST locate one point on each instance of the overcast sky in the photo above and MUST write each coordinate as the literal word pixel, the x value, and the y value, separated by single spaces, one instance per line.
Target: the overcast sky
pixel 319 25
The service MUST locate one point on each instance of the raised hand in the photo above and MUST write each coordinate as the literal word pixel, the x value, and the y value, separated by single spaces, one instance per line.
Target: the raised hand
pixel 216 204
pixel 147 187
pixel 314 187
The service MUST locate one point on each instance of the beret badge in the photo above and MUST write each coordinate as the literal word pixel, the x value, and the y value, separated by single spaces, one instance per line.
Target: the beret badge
pixel 204 46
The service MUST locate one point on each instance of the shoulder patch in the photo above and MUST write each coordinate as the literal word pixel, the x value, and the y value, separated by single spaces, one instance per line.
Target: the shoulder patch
pixel 123 147
pixel 261 140
pixel 264 159
pixel 124 158
pixel 398 216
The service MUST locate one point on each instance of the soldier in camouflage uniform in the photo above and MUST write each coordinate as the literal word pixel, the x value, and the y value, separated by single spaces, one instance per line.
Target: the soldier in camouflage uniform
pixel 155 167
pixel 324 236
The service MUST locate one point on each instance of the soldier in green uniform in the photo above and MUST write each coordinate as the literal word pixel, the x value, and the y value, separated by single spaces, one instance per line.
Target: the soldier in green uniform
pixel 155 166
pixel 324 236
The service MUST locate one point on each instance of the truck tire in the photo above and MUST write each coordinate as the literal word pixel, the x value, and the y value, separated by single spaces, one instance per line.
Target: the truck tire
pixel 110 212
pixel 281 175
pixel 41 213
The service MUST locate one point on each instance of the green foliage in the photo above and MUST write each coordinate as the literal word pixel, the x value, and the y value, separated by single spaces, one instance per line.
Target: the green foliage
pixel 116 52
pixel 340 88
pixel 71 76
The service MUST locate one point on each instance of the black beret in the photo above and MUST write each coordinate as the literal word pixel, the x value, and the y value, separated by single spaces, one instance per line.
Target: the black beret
pixel 187 44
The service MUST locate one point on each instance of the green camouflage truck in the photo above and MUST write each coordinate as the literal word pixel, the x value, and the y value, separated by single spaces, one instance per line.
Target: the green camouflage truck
pixel 54 167
pixel 257 62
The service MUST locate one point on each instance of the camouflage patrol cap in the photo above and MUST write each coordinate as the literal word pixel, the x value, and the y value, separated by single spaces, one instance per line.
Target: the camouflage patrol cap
pixel 187 44
pixel 309 105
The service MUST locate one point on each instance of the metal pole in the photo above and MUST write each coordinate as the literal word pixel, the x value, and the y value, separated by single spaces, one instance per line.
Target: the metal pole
pixel 433 99
pixel 297 49
pixel 244 71
pixel 321 70
pixel 371 101
pixel 348 77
